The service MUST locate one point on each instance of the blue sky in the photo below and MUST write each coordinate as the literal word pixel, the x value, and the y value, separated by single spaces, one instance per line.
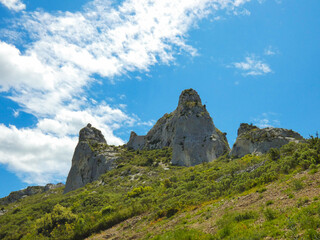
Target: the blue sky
pixel 121 65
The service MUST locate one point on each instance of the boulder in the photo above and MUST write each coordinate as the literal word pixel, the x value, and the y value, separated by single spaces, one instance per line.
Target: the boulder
pixel 253 140
pixel 92 158
pixel 189 130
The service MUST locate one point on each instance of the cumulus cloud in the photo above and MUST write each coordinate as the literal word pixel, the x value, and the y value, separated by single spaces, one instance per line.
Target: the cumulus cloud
pixel 15 5
pixel 35 156
pixel 252 66
pixel 49 78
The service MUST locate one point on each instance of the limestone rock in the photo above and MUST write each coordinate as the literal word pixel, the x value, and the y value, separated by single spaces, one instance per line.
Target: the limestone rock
pixel 253 140
pixel 29 191
pixel 189 130
pixel 135 141
pixel 92 157
pixel 51 186
pixel 91 134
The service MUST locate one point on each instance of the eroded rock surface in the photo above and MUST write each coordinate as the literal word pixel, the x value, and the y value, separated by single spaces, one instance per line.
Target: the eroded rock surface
pixel 189 130
pixel 253 140
pixel 92 157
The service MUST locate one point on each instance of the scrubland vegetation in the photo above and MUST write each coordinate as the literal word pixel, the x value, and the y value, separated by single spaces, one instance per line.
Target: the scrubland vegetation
pixel 145 184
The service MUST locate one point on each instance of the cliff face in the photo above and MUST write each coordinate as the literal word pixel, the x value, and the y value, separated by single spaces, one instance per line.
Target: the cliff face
pixel 252 139
pixel 189 130
pixel 88 163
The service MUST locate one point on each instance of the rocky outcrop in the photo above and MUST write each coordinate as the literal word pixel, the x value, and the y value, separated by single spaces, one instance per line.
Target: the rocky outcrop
pixel 189 130
pixel 136 142
pixel 92 157
pixel 29 191
pixel 253 140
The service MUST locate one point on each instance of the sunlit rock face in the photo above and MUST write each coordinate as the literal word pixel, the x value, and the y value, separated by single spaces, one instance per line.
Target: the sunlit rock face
pixel 189 130
pixel 253 140
pixel 92 157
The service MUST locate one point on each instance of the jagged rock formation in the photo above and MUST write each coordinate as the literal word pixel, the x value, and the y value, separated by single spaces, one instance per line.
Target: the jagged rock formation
pixel 253 140
pixel 92 157
pixel 29 191
pixel 189 130
pixel 136 142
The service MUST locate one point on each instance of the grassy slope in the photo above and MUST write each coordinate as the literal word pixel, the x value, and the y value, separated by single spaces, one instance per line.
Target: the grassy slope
pixel 278 210
pixel 146 198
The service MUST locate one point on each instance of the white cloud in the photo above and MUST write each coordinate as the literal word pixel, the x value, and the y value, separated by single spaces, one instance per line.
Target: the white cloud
pixel 15 5
pixel 50 77
pixel 252 66
pixel 35 156
pixel 28 72
pixel 266 120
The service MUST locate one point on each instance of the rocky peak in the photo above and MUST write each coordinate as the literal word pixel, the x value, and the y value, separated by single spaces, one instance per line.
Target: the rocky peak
pixel 245 127
pixel 136 142
pixel 91 134
pixel 189 96
pixel 133 134
pixel 189 130
pixel 92 157
pixel 190 103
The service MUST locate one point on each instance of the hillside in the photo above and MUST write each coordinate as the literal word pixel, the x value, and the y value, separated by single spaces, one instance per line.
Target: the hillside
pixel 269 196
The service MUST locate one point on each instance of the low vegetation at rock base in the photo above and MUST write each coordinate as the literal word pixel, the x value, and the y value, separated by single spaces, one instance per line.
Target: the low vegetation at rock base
pixel 215 200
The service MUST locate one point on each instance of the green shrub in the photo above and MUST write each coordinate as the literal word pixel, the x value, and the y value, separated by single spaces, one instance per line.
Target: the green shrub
pixel 59 218
pixel 269 202
pixel 167 183
pixel 290 195
pixel 224 232
pixel 261 190
pixel 297 184
pixel 313 166
pixel 168 212
pixel 138 191
pixel 106 210
pixel 270 214
pixel 244 216
pixel 16 210
pixel 289 148
pixel 274 154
